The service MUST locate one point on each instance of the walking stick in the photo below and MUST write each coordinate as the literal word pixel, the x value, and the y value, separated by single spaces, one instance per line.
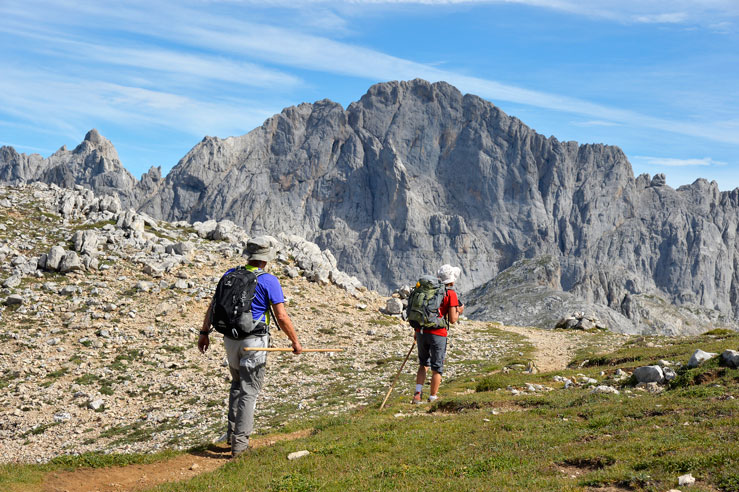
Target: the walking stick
pixel 397 375
pixel 288 349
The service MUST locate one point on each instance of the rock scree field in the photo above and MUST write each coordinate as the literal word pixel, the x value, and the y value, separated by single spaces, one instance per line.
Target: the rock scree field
pixel 103 388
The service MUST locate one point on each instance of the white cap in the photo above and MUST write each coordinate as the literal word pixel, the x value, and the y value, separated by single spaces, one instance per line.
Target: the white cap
pixel 448 274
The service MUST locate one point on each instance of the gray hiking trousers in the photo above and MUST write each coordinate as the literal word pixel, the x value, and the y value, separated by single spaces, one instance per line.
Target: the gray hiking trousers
pixel 247 375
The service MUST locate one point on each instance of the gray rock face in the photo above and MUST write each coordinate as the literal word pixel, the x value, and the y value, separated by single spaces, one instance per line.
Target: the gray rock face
pixel 417 174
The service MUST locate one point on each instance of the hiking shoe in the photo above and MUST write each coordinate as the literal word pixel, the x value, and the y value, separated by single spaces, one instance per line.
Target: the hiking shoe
pixel 236 454
pixel 416 398
pixel 225 438
pixel 433 398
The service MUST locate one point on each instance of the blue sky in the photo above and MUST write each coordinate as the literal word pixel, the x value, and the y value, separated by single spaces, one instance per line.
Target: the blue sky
pixel 660 79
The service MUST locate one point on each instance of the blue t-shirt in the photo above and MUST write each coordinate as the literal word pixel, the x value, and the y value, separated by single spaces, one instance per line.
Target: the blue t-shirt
pixel 268 291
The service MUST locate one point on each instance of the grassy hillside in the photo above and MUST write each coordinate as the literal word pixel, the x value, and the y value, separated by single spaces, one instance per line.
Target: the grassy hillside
pixel 482 436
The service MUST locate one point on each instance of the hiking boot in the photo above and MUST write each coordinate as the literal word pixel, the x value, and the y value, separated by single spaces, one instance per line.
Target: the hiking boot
pixel 241 452
pixel 416 398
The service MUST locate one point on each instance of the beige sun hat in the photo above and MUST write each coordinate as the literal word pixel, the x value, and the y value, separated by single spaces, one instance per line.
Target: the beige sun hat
pixel 259 248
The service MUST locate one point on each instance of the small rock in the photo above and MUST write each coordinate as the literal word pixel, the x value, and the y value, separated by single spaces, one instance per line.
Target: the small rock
pixel 603 389
pixel 14 300
pixel 652 387
pixel 96 404
pixel 361 307
pixel 144 286
pixel 298 454
pixel 394 306
pixel 68 290
pixel 53 341
pixel 62 417
pixel 12 281
pixel 194 466
pixel 686 480
pixel 404 291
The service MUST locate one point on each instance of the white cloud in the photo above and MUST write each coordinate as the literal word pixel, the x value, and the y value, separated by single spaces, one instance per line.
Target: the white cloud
pixel 673 162
pixel 590 123
pixel 286 47
pixel 73 106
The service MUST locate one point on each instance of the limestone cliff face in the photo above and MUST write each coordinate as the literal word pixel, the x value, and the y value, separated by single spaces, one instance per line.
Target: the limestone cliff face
pixel 94 164
pixel 415 174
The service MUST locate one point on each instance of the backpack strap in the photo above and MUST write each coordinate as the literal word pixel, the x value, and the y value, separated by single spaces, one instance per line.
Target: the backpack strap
pixel 266 320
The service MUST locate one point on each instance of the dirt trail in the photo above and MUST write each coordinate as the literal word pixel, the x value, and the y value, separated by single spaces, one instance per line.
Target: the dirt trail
pixel 554 349
pixel 139 477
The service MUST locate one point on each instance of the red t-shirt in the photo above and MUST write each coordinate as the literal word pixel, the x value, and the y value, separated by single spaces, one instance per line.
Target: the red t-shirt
pixel 450 300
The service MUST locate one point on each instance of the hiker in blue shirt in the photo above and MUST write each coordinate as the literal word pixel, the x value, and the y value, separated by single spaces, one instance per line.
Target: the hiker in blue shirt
pixel 248 368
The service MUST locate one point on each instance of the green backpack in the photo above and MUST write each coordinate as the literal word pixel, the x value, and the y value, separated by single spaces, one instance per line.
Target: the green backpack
pixel 424 303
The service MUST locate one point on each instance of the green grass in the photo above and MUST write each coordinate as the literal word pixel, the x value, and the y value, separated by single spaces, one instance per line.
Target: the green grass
pixel 489 439
pixel 634 440
pixel 6 378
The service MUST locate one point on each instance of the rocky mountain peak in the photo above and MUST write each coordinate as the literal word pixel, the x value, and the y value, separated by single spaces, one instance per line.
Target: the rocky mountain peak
pixel 95 142
pixel 416 174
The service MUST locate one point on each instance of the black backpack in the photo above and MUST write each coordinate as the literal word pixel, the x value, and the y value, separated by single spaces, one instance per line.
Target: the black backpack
pixel 231 314
pixel 424 302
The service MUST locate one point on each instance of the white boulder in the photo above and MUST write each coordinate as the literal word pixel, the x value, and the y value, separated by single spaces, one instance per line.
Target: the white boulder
pixel 699 357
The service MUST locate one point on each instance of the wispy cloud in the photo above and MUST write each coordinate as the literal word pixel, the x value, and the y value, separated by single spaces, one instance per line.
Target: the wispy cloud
pixel 591 123
pixel 317 53
pixel 175 47
pixel 220 47
pixel 70 105
pixel 673 162
pixel 706 13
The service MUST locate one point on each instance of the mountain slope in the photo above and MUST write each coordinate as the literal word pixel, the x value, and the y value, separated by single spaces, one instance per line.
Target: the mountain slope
pixel 417 174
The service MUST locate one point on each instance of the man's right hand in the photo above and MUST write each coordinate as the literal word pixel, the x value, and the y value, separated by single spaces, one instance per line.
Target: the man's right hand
pixel 297 348
pixel 203 343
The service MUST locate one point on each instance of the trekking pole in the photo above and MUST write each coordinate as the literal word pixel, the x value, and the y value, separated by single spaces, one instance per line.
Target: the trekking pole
pixel 397 375
pixel 288 349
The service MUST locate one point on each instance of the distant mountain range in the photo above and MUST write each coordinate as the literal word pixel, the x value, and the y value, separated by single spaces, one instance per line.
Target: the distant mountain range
pixel 416 174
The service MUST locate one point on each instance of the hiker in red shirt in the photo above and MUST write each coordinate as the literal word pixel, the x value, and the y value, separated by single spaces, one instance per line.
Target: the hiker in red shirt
pixel 432 341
